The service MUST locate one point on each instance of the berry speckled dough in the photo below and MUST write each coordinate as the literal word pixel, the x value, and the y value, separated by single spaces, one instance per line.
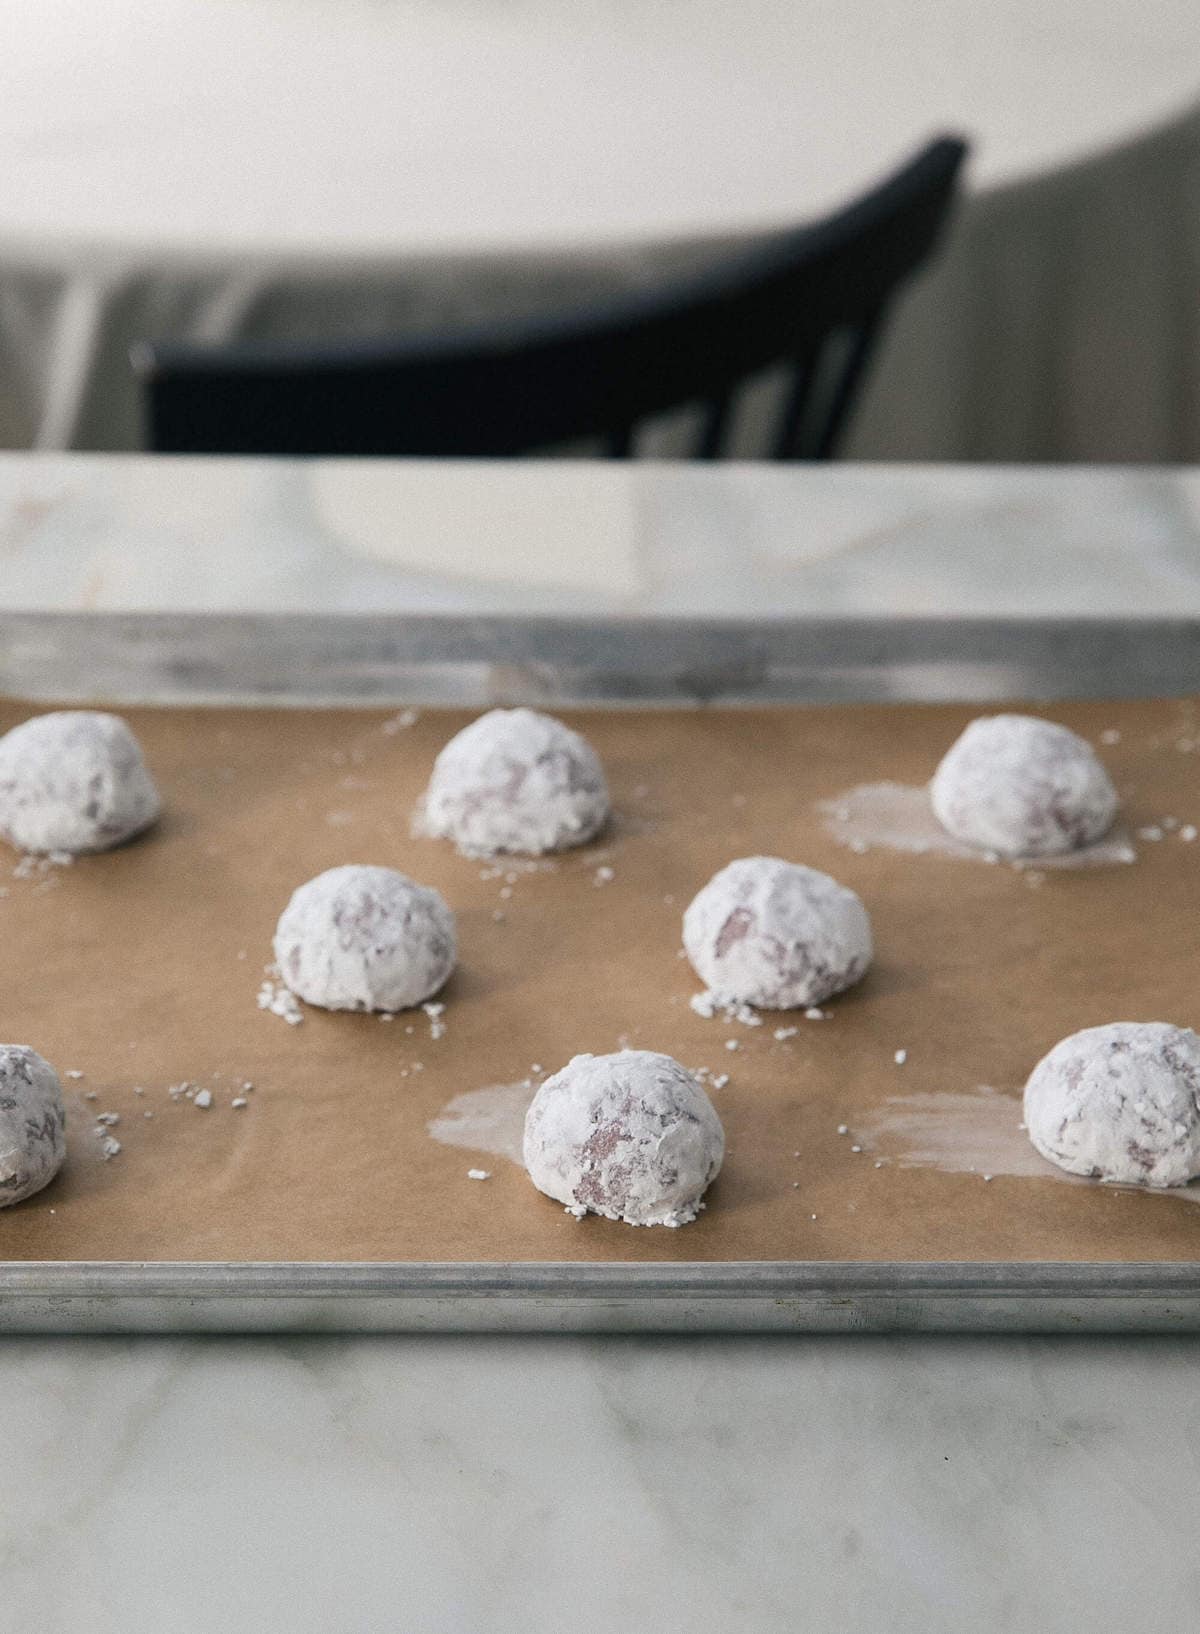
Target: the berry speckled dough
pixel 33 1123
pixel 75 781
pixel 776 934
pixel 1022 787
pixel 1120 1102
pixel 631 1136
pixel 363 938
pixel 515 781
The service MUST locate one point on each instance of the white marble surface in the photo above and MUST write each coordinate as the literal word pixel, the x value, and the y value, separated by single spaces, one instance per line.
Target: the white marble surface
pixel 902 1487
pixel 120 532
pixel 897 1486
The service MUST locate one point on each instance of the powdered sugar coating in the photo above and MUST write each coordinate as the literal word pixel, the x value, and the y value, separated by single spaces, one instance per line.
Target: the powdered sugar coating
pixel 516 781
pixel 1023 787
pixel 1120 1102
pixel 776 934
pixel 364 938
pixel 33 1123
pixel 73 780
pixel 631 1136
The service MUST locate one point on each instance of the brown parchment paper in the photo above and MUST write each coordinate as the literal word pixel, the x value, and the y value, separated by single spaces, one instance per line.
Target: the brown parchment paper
pixel 141 968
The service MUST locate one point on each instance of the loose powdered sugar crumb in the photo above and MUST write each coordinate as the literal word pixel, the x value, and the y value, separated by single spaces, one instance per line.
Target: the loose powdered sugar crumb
pixel 400 722
pixel 709 1004
pixel 278 1000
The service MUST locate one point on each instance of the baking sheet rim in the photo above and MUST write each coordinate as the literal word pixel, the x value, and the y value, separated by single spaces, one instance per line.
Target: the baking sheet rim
pixel 562 1297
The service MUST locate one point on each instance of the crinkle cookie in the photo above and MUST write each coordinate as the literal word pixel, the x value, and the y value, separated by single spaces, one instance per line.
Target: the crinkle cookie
pixel 1120 1102
pixel 631 1136
pixel 75 781
pixel 776 934
pixel 1022 787
pixel 515 781
pixel 33 1122
pixel 363 938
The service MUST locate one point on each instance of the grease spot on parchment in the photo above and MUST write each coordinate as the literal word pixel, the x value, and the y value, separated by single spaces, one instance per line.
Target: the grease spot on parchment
pixel 974 1133
pixel 486 1120
pixel 899 817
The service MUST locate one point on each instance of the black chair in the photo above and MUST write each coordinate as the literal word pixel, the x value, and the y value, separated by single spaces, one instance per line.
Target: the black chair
pixel 813 299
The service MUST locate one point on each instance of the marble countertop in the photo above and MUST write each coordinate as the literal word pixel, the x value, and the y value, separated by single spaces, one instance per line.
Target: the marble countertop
pixel 117 532
pixel 899 1485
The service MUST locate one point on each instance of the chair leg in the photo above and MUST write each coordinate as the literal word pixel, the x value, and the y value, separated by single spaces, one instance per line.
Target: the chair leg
pixel 846 389
pixel 786 442
pixel 712 428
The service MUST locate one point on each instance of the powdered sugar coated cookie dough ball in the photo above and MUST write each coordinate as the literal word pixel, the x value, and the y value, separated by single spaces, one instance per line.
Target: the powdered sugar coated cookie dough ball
pixel 631 1136
pixel 33 1123
pixel 516 781
pixel 73 781
pixel 1120 1102
pixel 361 938
pixel 776 934
pixel 1023 787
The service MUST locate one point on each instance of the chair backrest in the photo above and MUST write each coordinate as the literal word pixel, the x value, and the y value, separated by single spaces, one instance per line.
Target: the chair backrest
pixel 813 299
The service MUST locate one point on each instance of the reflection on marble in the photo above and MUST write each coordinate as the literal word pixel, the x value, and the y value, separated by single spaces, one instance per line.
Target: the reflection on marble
pixel 920 1487
pixel 121 532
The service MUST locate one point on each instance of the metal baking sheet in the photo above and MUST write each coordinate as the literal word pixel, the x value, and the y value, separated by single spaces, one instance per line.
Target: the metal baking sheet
pixel 175 659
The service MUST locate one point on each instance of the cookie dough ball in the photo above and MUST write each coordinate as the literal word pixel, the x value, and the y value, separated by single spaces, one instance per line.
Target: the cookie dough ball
pixel 516 781
pixel 1120 1102
pixel 73 781
pixel 631 1136
pixel 1023 787
pixel 33 1123
pixel 360 938
pixel 776 934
